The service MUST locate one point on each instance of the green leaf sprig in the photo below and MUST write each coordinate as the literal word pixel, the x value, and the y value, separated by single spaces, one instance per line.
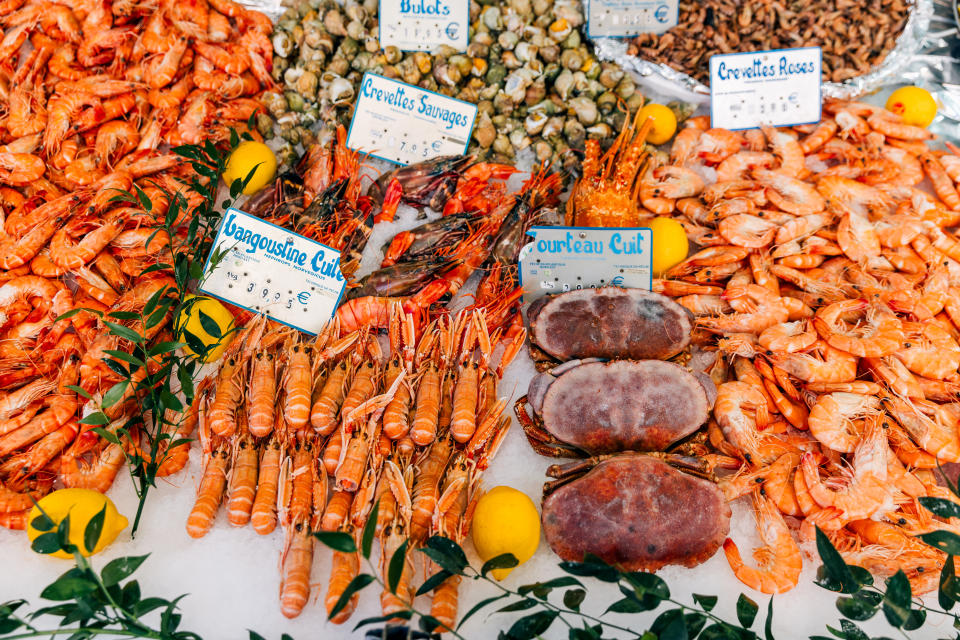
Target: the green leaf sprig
pixel 156 374
pixel 642 592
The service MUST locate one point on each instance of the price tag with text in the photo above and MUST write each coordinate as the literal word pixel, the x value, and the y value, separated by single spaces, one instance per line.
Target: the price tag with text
pixel 401 123
pixel 779 88
pixel 268 269
pixel 565 258
pixel 423 25
pixel 622 18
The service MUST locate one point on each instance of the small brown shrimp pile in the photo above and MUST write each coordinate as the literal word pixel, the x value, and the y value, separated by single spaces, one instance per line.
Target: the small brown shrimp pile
pixel 828 284
pixel 90 91
pixel 311 434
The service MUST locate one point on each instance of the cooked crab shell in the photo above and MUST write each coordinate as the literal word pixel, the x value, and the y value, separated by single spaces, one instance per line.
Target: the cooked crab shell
pixel 624 405
pixel 638 513
pixel 610 322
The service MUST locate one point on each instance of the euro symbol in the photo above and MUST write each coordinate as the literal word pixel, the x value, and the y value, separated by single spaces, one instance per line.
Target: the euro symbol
pixel 303 297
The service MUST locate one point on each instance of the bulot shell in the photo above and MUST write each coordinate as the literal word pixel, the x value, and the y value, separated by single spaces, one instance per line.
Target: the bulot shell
pixel 638 513
pixel 610 322
pixel 624 405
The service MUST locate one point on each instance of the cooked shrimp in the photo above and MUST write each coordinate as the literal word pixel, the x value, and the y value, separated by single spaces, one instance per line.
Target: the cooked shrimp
pixel 936 435
pixel 836 366
pixel 739 408
pixel 768 311
pixel 789 337
pixel 779 560
pixel 735 166
pixel 929 351
pixel 866 493
pixel 880 335
pixel 790 194
pixel 744 230
pixel 20 168
pixel 831 419
pixel 891 125
pixel 942 183
pixel 819 136
pixel 788 150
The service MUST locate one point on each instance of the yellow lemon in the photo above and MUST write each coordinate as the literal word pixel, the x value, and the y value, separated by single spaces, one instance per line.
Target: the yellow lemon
pixel 669 244
pixel 664 123
pixel 505 521
pixel 82 505
pixel 914 104
pixel 190 321
pixel 244 158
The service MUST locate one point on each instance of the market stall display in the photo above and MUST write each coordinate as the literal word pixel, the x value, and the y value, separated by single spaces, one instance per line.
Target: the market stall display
pixel 538 84
pixel 797 356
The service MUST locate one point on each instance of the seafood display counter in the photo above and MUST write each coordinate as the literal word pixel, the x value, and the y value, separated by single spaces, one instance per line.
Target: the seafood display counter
pixel 315 389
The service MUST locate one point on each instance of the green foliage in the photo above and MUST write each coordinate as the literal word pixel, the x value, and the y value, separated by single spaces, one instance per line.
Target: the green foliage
pixel 543 610
pixel 157 389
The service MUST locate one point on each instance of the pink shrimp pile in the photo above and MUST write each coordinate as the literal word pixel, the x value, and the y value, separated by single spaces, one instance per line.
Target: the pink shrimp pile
pixel 828 283
pixel 90 91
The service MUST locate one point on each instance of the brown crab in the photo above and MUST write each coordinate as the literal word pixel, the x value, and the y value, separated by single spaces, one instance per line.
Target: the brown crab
pixel 591 407
pixel 634 511
pixel 608 322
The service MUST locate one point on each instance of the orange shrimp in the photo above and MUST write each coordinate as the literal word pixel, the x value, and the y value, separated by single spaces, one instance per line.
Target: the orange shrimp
pixel 426 486
pixel 464 419
pixel 60 409
pixel 263 515
pixel 831 419
pixel 296 481
pixel 881 335
pixel 297 384
pixel 115 139
pixel 263 394
pixel 396 416
pixel 226 399
pixel 71 256
pixel 210 494
pixel 323 415
pixel 295 563
pixel 344 568
pixel 47 448
pixel 335 515
pixel 243 480
pixel 98 475
pixel 174 459
pixel 393 537
pixel 779 559
pixel 225 57
pixel 867 491
pixel 350 470
pixel 331 452
pixel 426 414
pixel 62 111
pixel 362 388
pixel 20 168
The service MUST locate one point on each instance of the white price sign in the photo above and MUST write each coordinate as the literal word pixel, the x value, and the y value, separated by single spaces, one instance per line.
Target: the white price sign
pixel 268 269
pixel 779 88
pixel 623 18
pixel 401 123
pixel 423 25
pixel 566 258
